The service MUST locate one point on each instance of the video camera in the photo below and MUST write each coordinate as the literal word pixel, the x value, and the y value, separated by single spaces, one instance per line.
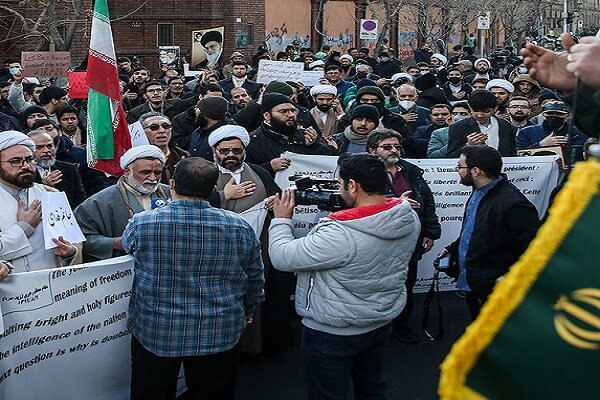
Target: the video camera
pixel 323 193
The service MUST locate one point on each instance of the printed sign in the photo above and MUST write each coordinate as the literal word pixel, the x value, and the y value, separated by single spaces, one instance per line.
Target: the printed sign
pixel 368 29
pixel 311 78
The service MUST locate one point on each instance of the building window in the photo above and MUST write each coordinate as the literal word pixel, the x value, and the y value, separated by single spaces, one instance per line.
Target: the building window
pixel 164 35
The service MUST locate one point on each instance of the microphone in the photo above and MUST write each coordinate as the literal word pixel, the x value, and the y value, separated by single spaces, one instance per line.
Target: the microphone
pixel 158 202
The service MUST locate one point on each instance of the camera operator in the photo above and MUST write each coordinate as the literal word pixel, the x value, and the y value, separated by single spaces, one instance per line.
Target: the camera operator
pixel 351 270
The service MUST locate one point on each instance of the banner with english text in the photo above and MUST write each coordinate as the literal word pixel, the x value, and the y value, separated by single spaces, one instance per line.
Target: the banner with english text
pixel 534 176
pixel 64 332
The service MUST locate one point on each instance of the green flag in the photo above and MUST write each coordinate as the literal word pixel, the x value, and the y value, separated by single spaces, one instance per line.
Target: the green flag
pixel 538 336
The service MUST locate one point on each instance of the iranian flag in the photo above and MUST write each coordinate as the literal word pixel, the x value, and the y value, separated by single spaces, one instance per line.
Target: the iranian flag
pixel 108 134
pixel 538 335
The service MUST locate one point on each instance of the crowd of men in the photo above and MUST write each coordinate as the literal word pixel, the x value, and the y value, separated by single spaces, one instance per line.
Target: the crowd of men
pixel 215 145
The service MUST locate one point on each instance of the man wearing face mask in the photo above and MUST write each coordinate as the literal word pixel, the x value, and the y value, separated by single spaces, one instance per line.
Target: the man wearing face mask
pixel 103 216
pixel 553 131
pixel 456 89
pixel 414 114
pixel 386 67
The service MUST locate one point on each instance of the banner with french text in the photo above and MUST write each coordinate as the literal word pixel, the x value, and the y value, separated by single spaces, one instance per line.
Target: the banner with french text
pixel 534 176
pixel 64 333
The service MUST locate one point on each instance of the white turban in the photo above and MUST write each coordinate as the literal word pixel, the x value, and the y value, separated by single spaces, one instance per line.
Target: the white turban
pixel 229 131
pixel 318 63
pixel 13 138
pixel 143 151
pixel 440 57
pixel 500 83
pixel 347 57
pixel 484 60
pixel 399 75
pixel 323 89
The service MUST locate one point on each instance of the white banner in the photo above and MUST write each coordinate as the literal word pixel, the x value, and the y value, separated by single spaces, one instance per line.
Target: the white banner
pixel 65 333
pixel 534 176
pixel 279 71
pixel 58 220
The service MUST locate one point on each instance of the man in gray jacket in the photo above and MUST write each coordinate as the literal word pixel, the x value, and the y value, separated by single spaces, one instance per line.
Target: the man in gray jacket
pixel 351 271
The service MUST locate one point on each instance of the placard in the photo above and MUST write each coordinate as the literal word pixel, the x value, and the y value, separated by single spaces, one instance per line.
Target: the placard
pixel 311 78
pixel 46 64
pixel 138 135
pixel 58 220
pixel 78 88
pixel 279 71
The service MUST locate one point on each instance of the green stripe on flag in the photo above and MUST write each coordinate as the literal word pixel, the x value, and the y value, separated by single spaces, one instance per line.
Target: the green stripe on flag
pixel 100 122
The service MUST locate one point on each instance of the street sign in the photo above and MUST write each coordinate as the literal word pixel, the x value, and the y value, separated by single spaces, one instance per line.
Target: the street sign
pixel 483 22
pixel 368 29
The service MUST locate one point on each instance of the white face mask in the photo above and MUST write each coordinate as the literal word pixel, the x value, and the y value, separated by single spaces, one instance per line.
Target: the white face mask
pixel 407 104
pixel 457 118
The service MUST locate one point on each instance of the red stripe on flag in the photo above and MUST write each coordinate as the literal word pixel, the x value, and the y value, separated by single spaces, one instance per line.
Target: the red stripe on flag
pixel 103 78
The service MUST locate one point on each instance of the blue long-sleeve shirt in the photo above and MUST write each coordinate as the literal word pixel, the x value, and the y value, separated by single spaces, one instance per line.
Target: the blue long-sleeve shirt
pixel 198 273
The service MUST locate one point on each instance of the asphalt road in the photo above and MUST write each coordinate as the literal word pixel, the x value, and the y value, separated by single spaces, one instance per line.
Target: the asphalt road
pixel 412 370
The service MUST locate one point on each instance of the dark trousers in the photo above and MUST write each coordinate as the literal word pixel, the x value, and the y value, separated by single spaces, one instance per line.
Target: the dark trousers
pixel 331 361
pixel 474 302
pixel 411 279
pixel 210 377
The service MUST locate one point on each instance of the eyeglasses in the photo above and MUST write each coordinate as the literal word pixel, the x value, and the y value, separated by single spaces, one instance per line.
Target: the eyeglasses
pixel 520 107
pixel 287 111
pixel 155 127
pixel 227 150
pixel 389 147
pixel 154 90
pixel 19 162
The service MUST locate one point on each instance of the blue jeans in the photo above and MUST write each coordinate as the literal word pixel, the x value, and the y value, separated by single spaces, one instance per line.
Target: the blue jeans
pixel 331 361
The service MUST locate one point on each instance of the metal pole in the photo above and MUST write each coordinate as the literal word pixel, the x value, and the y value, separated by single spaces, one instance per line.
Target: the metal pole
pixel 481 44
pixel 565 16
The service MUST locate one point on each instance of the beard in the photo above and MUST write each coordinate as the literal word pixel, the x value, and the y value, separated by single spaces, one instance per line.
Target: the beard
pixel 141 186
pixel 230 163
pixel 519 118
pixel 282 127
pixel 213 59
pixel 23 179
pixel 467 180
pixel 391 160
pixel 324 107
pixel 47 163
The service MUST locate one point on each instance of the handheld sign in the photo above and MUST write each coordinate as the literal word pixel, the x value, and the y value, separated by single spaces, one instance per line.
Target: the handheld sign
pixel 58 220
pixel 47 64
pixel 279 71
pixel 138 136
pixel 78 86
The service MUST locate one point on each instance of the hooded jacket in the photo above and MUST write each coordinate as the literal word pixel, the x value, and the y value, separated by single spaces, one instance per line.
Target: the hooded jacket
pixel 536 109
pixel 351 266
